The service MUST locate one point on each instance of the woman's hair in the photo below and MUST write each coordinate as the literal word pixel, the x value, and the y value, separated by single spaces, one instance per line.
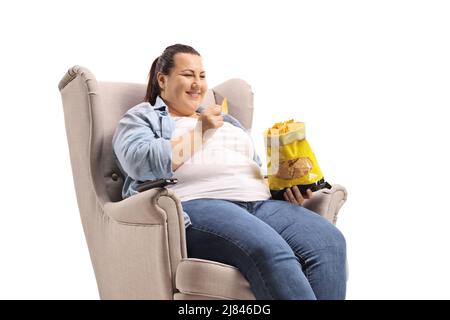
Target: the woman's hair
pixel 164 63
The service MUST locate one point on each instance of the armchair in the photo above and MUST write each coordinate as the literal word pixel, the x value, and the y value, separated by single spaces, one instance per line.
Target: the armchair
pixel 137 246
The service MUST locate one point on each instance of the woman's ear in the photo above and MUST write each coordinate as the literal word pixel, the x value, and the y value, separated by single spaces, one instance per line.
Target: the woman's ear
pixel 161 78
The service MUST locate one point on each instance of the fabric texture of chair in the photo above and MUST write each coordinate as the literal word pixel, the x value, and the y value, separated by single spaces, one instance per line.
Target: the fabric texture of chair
pixel 137 245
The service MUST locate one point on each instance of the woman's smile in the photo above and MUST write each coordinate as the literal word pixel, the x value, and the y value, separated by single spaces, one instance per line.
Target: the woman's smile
pixel 193 95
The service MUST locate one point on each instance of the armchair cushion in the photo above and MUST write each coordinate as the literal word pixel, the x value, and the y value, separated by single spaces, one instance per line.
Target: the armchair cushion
pixel 211 280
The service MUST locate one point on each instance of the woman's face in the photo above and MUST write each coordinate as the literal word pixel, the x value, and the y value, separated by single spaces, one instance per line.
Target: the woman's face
pixel 185 86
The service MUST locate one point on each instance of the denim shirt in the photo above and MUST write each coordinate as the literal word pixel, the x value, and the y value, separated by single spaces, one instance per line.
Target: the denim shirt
pixel 142 145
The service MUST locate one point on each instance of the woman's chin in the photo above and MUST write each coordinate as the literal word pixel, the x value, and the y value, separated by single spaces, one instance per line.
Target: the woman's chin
pixel 193 105
pixel 189 107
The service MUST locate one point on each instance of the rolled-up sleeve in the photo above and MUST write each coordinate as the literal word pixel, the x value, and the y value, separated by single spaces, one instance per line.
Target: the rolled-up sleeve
pixel 142 155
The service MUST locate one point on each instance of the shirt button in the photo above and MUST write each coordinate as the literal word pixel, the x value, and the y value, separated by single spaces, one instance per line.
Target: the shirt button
pixel 115 176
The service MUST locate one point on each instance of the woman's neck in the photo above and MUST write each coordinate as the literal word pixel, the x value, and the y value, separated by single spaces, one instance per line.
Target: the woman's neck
pixel 177 115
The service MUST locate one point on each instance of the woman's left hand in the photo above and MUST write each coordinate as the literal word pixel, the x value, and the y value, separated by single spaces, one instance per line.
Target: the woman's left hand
pixel 293 195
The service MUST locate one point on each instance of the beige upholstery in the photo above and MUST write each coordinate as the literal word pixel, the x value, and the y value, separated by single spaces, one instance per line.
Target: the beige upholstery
pixel 137 245
pixel 215 280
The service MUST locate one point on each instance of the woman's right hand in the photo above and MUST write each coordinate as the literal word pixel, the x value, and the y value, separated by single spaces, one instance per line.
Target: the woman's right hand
pixel 211 118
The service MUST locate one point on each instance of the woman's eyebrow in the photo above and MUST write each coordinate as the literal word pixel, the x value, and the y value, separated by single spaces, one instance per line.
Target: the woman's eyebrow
pixel 191 70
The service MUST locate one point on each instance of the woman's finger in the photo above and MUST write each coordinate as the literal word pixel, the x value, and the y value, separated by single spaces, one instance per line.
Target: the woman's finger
pixel 289 196
pixel 309 194
pixel 285 196
pixel 217 109
pixel 298 195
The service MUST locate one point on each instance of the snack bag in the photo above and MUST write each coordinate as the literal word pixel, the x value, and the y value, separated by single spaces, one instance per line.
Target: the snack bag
pixel 290 160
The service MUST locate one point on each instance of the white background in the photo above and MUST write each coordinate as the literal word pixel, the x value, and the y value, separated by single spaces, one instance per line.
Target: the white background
pixel 371 80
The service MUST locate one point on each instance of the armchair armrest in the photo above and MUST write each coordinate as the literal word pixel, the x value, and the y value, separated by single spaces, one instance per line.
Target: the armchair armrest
pixel 157 207
pixel 141 208
pixel 327 202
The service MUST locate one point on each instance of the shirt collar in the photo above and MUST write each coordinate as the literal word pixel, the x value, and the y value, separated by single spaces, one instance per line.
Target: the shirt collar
pixel 161 105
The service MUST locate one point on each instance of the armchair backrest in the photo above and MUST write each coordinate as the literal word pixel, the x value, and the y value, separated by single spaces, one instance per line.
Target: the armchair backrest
pixel 92 110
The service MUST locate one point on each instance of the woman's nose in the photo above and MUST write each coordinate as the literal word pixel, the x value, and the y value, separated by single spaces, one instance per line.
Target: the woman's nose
pixel 195 84
pixel 197 80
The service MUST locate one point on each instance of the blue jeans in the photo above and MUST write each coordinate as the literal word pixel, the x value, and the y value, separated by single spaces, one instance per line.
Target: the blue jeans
pixel 285 251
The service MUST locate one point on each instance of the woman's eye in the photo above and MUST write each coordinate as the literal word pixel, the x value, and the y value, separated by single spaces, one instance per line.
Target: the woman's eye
pixel 190 75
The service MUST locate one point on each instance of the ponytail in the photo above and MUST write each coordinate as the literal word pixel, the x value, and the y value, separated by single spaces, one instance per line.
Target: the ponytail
pixel 153 86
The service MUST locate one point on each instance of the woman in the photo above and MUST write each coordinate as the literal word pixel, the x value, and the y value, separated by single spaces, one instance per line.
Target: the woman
pixel 284 250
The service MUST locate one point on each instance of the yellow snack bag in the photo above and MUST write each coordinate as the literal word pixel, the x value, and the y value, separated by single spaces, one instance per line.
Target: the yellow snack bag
pixel 290 160
pixel 225 106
